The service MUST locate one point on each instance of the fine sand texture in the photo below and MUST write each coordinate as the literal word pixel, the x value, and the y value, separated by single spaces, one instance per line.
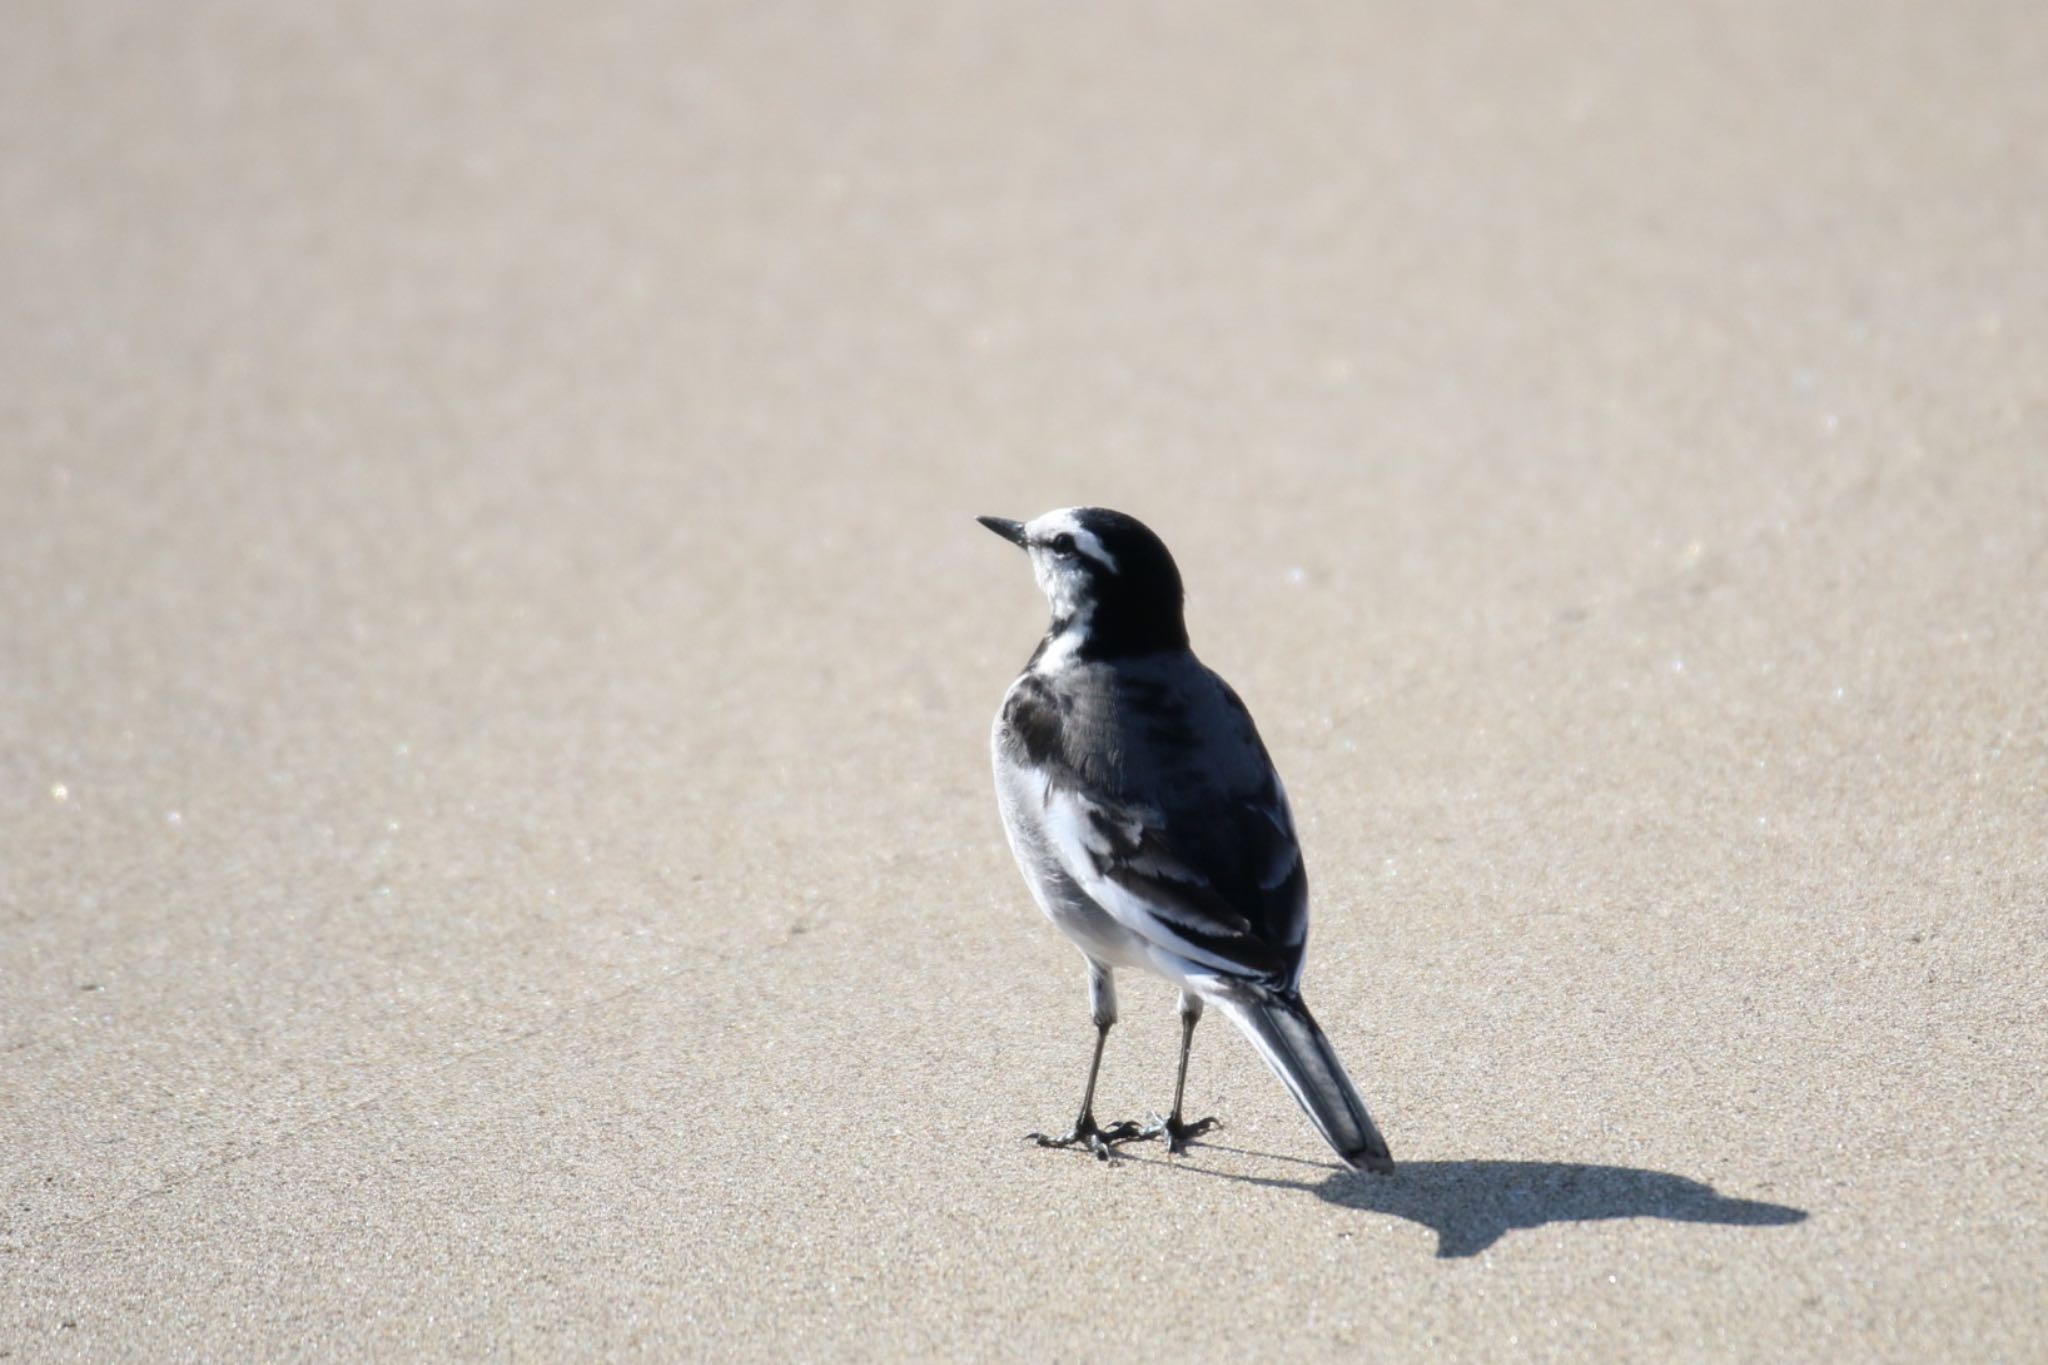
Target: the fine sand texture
pixel 497 853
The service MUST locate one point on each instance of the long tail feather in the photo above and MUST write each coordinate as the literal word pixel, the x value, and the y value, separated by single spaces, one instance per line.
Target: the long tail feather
pixel 1286 1035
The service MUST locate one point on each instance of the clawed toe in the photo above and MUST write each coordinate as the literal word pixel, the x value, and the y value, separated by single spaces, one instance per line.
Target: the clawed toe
pixel 1177 1133
pixel 1097 1139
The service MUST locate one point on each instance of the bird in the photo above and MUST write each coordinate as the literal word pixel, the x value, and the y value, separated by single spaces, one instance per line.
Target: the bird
pixel 1151 827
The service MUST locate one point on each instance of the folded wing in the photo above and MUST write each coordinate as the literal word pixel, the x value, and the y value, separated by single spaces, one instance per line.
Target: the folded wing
pixel 1221 885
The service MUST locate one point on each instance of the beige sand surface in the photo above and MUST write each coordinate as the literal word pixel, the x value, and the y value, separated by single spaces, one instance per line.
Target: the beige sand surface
pixel 496 851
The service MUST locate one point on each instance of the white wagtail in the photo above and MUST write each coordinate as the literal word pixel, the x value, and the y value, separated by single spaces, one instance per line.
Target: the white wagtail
pixel 1151 827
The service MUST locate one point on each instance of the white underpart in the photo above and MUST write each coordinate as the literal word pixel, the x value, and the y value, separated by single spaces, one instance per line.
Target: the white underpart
pixel 1064 646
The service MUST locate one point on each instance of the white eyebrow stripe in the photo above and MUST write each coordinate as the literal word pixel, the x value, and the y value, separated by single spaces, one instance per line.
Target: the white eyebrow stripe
pixel 1089 544
pixel 1085 540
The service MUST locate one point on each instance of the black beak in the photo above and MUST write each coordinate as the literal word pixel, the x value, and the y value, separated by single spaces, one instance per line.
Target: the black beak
pixel 1012 531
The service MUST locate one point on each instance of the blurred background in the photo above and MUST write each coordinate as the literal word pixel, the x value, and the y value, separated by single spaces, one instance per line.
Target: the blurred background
pixel 495 834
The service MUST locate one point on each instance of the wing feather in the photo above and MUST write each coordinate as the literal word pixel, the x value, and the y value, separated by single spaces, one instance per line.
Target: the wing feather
pixel 1190 847
pixel 1190 898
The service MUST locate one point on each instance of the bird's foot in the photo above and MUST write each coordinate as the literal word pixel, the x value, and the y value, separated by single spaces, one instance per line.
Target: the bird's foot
pixel 1091 1135
pixel 1177 1133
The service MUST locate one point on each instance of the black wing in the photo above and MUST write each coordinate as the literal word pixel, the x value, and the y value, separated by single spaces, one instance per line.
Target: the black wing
pixel 1204 868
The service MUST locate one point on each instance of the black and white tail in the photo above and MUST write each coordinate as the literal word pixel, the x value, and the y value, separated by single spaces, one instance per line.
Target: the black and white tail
pixel 1285 1033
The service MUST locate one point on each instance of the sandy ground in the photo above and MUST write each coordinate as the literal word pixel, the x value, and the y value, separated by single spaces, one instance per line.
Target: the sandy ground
pixel 496 848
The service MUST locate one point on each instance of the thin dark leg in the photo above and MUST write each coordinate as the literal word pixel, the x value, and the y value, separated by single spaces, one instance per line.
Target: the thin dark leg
pixel 1086 1132
pixel 1171 1128
pixel 1180 1080
pixel 1094 1070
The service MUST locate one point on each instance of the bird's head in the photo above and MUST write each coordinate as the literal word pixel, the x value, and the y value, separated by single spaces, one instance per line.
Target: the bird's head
pixel 1112 586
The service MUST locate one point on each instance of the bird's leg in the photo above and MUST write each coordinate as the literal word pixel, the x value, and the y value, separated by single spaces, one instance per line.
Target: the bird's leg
pixel 1087 1133
pixel 1171 1128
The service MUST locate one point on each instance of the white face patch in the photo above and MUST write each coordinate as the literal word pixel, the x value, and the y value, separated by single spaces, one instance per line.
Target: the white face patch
pixel 1061 577
pixel 1065 585
pixel 1065 522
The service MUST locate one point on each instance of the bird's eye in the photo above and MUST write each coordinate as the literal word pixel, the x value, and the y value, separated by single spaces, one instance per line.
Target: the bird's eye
pixel 1062 544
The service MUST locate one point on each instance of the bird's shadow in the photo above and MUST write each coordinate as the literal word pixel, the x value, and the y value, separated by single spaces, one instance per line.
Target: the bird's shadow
pixel 1473 1204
